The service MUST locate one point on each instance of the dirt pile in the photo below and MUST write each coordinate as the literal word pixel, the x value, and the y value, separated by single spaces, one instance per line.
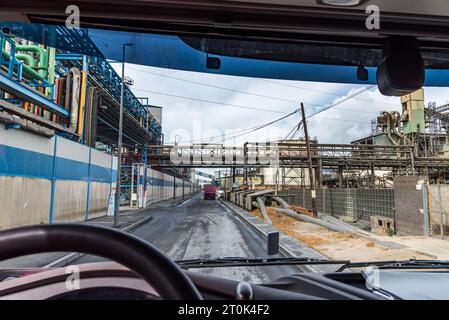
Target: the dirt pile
pixel 336 245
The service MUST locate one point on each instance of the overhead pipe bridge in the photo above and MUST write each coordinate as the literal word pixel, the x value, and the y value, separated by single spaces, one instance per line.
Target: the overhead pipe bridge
pixel 293 155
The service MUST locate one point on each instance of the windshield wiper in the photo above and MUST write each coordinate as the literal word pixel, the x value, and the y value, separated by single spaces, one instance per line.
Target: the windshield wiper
pixel 239 262
pixel 345 264
pixel 404 264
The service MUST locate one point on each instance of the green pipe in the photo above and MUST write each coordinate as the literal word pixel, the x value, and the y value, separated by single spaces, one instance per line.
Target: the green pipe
pixel 51 69
pixel 29 60
pixel 43 57
pixel 51 65
pixel 31 73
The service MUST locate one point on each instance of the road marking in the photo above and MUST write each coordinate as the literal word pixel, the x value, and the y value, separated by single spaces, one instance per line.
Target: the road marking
pixel 184 202
pixel 65 260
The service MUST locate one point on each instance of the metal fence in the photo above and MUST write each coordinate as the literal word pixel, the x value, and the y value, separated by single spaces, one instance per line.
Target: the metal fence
pixel 359 204
pixel 438 202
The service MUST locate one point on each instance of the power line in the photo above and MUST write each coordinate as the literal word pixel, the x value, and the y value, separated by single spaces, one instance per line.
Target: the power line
pixel 251 93
pixel 293 131
pixel 320 91
pixel 250 130
pixel 341 101
pixel 296 127
pixel 210 101
pixel 344 120
pixel 352 96
pixel 214 86
pixel 247 131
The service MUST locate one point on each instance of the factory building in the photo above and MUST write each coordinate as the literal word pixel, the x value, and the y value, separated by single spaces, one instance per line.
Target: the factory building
pixel 59 120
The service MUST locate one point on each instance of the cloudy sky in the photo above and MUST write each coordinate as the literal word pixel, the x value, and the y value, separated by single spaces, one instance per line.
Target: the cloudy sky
pixel 219 109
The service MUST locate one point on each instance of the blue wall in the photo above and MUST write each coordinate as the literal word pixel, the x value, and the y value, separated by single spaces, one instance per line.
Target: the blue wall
pixel 30 164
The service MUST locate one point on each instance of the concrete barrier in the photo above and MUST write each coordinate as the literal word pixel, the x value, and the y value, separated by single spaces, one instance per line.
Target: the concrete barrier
pixel 46 180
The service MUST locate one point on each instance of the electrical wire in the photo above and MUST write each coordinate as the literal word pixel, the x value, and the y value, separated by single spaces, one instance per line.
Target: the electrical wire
pixel 250 93
pixel 320 91
pixel 250 130
pixel 243 132
pixel 210 101
pixel 247 131
pixel 352 96
pixel 213 86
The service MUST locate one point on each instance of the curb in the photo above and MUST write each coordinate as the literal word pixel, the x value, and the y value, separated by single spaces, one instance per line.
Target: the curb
pixel 283 249
pixel 65 260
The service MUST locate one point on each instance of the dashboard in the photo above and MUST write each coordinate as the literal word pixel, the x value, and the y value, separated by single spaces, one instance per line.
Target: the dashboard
pixel 109 281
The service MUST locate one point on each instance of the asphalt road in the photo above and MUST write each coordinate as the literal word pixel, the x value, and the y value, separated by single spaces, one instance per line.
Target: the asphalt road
pixel 201 228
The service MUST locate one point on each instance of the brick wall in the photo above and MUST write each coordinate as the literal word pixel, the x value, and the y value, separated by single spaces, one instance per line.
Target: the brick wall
pixel 409 218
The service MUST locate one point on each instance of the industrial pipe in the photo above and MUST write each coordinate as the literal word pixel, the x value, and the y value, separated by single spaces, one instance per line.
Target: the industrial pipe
pixel 51 65
pixel 72 98
pixel 43 58
pixel 397 117
pixel 29 60
pixel 305 218
pixel 8 119
pixel 31 73
pixel 388 117
pixel 263 210
pixel 82 103
pixel 281 201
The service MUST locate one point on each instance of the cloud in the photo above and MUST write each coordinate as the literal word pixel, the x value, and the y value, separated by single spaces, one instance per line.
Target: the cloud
pixel 197 121
pixel 351 119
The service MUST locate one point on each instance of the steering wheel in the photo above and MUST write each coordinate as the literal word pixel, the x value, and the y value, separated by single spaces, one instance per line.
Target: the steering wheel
pixel 132 252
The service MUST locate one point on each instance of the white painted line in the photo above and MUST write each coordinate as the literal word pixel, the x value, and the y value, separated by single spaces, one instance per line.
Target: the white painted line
pixel 187 200
pixel 65 260
pixel 184 202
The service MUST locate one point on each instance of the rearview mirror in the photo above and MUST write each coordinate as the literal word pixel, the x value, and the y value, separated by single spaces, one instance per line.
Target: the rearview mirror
pixel 402 68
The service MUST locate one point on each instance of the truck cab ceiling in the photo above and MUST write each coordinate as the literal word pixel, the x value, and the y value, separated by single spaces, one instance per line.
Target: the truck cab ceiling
pixel 313 62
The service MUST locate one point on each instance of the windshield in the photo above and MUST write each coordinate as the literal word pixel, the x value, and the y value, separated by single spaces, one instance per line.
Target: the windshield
pixel 205 154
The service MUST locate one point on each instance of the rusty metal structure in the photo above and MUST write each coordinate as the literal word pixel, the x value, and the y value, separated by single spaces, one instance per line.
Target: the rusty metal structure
pixel 345 159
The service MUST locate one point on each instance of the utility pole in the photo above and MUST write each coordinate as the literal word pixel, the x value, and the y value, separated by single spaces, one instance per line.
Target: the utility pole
pixel 309 161
pixel 119 143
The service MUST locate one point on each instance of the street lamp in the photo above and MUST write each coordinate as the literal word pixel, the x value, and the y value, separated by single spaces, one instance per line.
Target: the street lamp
pixel 119 144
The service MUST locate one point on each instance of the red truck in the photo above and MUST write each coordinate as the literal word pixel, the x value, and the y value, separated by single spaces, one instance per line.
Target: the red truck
pixel 210 191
